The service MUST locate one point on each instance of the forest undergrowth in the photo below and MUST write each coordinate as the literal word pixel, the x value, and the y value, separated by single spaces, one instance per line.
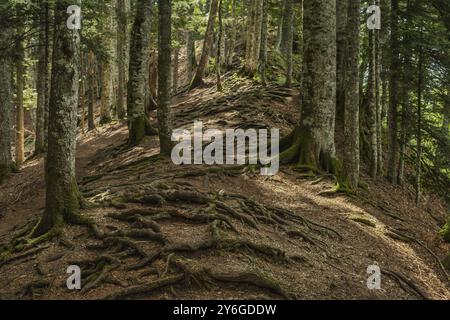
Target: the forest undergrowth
pixel 162 231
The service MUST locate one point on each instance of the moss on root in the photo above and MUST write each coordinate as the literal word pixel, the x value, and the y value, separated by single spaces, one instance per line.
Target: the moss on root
pixel 299 148
pixel 139 128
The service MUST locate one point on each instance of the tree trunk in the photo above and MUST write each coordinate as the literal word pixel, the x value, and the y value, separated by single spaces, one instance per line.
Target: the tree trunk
pixel 232 42
pixel 207 46
pixel 342 55
pixel 164 57
pixel 372 106
pixel 253 37
pixel 92 96
pixel 191 59
pixel 122 46
pixel 5 109
pixel 263 46
pixel 219 48
pixel 288 38
pixel 41 83
pixel 138 123
pixel 393 97
pixel 419 126
pixel 312 143
pixel 350 169
pixel 175 73
pixel 107 97
pixel 20 86
pixel 62 195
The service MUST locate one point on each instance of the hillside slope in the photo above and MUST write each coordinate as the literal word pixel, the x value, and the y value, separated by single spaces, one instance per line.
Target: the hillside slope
pixel 201 232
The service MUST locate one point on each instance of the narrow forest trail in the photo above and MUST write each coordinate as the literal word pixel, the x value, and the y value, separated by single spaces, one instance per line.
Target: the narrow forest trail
pixel 222 232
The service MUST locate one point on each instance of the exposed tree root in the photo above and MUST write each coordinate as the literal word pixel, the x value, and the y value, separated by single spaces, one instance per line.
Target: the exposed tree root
pixel 407 284
pixel 256 279
pixel 412 239
pixel 146 288
pixel 103 265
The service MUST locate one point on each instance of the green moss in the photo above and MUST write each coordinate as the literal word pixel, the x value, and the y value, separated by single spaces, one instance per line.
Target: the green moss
pixel 446 262
pixel 445 231
pixel 139 128
pixel 363 220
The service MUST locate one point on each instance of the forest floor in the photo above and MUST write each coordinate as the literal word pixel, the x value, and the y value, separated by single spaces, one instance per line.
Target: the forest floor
pixel 221 232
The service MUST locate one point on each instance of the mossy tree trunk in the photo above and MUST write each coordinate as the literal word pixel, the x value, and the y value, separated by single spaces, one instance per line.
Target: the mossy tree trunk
pixel 138 123
pixel 207 46
pixel 164 62
pixel 350 167
pixel 311 144
pixel 62 195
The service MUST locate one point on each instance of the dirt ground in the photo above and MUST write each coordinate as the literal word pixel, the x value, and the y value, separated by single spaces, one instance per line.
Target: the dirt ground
pixel 199 232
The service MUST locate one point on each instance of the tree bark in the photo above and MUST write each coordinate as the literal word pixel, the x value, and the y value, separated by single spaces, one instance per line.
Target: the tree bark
pixel 62 195
pixel 164 57
pixel 20 86
pixel 92 95
pixel 41 83
pixel 207 46
pixel 342 55
pixel 350 168
pixel 372 106
pixel 122 46
pixel 5 109
pixel 393 97
pixel 219 49
pixel 263 46
pixel 312 143
pixel 288 38
pixel 138 123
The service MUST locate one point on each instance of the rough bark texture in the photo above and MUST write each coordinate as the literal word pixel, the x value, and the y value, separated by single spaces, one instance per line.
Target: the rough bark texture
pixel 164 57
pixel 253 37
pixel 138 123
pixel 219 49
pixel 207 46
pixel 372 106
pixel 191 60
pixel 350 165
pixel 342 47
pixel 91 82
pixel 107 97
pixel 233 33
pixel 312 143
pixel 393 98
pixel 62 195
pixel 288 36
pixel 41 87
pixel 20 86
pixel 263 46
pixel 5 110
pixel 122 47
